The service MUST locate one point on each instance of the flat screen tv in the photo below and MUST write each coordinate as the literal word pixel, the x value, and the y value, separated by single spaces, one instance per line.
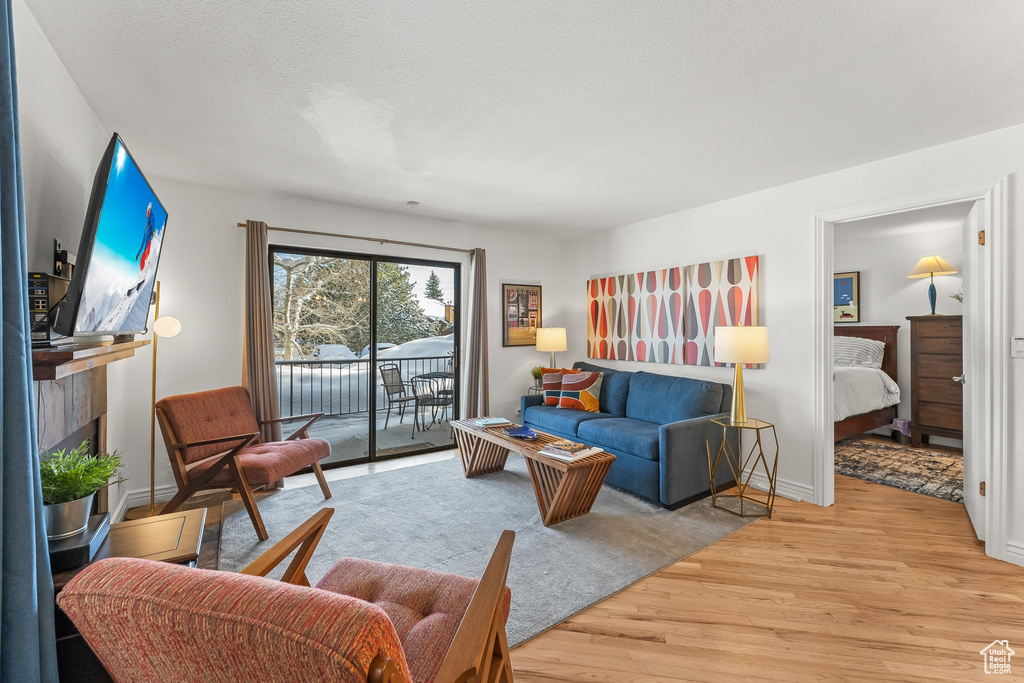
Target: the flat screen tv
pixel 112 283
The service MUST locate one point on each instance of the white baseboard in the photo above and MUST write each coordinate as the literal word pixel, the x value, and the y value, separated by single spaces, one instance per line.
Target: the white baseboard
pixel 784 487
pixel 117 514
pixel 140 497
pixel 1015 553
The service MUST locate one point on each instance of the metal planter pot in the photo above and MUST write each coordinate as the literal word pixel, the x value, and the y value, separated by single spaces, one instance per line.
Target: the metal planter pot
pixel 67 519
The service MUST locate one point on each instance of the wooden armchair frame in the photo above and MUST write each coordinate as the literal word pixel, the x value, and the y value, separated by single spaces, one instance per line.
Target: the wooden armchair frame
pixel 188 485
pixel 305 537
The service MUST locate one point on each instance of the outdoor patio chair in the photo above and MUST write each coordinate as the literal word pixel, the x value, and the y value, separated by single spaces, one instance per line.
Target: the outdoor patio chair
pixel 213 442
pixel 429 395
pixel 364 621
pixel 396 391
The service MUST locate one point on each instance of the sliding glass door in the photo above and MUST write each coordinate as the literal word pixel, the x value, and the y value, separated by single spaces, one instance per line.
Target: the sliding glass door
pixel 371 342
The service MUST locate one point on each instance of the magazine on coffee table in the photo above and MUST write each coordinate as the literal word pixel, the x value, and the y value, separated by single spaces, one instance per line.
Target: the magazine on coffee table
pixel 568 450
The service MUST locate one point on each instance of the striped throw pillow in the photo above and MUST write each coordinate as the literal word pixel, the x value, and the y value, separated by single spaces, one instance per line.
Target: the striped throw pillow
pixel 857 352
pixel 581 391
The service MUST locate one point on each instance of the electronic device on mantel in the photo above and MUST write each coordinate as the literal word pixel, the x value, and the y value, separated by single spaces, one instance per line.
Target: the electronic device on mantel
pixel 113 278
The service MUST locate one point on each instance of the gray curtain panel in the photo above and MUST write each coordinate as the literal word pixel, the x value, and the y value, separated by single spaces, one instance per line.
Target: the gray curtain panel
pixel 259 374
pixel 478 393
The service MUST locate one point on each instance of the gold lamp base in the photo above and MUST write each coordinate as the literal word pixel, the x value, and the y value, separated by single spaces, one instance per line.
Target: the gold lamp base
pixel 144 511
pixel 738 415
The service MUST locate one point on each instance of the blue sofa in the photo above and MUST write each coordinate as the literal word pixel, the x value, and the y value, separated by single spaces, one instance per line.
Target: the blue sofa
pixel 656 425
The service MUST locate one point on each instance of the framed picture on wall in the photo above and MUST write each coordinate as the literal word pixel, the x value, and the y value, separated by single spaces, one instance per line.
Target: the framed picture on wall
pixel 521 314
pixel 846 303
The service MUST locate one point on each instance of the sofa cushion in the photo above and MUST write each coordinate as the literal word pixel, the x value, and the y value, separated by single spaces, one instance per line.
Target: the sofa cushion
pixel 580 391
pixel 557 421
pixel 634 437
pixel 614 387
pixel 663 399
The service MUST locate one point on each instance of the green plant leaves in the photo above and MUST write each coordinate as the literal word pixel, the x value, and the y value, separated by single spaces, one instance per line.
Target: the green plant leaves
pixel 70 476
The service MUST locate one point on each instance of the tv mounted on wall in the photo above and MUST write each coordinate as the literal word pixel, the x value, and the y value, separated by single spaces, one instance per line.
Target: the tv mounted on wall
pixel 112 283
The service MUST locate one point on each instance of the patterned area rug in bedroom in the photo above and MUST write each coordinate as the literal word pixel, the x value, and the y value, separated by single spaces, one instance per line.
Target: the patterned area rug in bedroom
pixel 937 473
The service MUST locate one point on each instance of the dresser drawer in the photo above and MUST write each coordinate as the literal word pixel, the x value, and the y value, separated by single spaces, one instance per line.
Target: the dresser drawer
pixel 940 390
pixel 947 415
pixel 939 367
pixel 940 327
pixel 947 345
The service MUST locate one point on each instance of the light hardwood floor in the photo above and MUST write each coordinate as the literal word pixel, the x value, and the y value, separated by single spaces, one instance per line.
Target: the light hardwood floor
pixel 885 585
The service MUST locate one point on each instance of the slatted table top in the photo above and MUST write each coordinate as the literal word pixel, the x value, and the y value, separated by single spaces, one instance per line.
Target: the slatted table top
pixel 529 448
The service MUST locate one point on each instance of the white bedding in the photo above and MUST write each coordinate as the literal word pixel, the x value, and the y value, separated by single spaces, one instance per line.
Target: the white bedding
pixel 861 390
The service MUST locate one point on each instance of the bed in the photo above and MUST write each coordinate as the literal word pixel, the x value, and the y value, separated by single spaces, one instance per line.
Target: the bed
pixel 875 398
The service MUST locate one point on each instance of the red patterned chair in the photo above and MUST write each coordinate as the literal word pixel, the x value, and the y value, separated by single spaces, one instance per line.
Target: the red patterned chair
pixel 213 441
pixel 364 621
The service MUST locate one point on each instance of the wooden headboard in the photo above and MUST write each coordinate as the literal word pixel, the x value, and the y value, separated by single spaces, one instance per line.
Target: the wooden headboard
pixel 882 333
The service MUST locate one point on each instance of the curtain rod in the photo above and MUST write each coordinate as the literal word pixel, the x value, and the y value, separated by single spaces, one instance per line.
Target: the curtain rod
pixel 379 240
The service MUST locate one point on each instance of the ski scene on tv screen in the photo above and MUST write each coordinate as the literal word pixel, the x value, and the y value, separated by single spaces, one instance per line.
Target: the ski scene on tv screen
pixel 122 269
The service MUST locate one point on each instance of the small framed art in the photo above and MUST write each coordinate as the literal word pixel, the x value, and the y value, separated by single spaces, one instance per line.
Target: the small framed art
pixel 521 314
pixel 846 303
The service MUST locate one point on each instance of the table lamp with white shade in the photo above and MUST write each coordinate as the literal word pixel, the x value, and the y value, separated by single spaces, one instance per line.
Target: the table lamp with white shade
pixel 739 345
pixel 929 267
pixel 551 339
pixel 166 327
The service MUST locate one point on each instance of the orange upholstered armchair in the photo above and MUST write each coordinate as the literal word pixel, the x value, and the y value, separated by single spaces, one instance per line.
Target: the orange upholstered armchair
pixel 213 441
pixel 364 621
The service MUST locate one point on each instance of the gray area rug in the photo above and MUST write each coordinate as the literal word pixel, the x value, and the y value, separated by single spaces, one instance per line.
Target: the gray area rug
pixel 431 516
pixel 936 473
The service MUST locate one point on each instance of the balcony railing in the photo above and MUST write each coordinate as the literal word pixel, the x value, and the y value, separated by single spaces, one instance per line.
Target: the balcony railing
pixel 342 387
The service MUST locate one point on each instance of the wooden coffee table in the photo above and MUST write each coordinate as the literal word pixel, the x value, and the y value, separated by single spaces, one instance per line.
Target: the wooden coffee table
pixel 563 489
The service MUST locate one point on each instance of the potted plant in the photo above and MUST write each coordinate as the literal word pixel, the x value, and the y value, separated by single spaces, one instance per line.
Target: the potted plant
pixel 69 482
pixel 538 376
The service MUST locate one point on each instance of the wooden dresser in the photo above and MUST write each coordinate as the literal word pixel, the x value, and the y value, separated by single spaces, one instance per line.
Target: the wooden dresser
pixel 936 357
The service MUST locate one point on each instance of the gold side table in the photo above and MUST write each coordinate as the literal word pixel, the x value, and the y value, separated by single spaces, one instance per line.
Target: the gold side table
pixel 743 468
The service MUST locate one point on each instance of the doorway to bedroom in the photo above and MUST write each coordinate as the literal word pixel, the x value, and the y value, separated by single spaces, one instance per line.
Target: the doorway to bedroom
pixel 372 343
pixel 898 396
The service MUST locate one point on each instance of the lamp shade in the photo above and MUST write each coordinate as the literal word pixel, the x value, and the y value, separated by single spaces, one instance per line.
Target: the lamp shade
pixel 551 339
pixel 932 265
pixel 741 344
pixel 166 326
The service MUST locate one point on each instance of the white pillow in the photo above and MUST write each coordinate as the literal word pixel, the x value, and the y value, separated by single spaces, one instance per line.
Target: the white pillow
pixel 857 352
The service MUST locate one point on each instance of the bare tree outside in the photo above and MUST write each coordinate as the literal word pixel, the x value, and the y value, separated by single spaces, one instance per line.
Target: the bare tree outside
pixel 321 300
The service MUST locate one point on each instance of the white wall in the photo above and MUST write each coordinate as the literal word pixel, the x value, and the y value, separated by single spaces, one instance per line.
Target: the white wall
pixel 778 224
pixel 61 143
pixel 887 297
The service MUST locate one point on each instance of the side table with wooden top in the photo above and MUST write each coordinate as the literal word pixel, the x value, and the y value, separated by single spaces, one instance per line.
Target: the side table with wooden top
pixel 175 537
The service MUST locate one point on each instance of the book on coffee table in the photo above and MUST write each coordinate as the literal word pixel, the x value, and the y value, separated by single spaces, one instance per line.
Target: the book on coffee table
pixel 568 450
pixel 492 422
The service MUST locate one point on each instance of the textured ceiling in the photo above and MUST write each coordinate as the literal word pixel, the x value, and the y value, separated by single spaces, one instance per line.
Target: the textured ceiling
pixel 535 115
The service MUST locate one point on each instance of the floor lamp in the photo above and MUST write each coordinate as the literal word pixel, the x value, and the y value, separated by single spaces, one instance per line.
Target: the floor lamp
pixel 165 327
